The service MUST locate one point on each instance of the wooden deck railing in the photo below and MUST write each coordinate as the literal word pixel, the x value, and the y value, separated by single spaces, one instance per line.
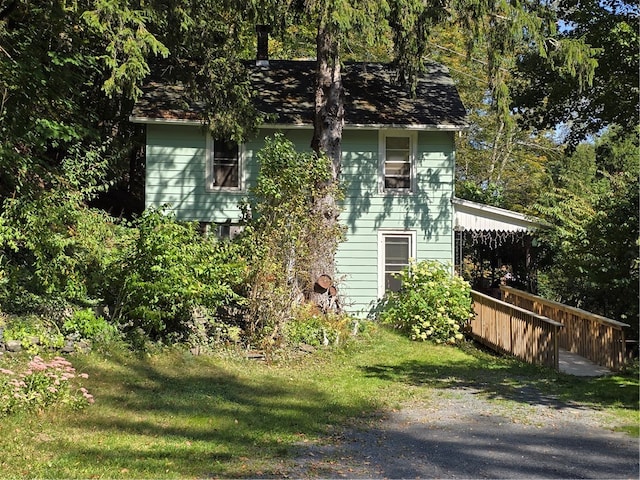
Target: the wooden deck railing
pixel 600 339
pixel 513 330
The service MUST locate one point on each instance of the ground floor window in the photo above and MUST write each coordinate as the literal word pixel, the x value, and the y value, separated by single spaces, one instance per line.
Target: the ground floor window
pixel 395 249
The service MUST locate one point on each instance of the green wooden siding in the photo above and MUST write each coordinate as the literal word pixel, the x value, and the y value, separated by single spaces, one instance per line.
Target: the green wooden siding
pixel 427 210
pixel 175 175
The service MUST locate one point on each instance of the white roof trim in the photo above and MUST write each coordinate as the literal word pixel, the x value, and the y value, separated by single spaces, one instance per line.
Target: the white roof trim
pixel 470 215
pixel 372 126
pixel 432 128
pixel 348 126
pixel 168 121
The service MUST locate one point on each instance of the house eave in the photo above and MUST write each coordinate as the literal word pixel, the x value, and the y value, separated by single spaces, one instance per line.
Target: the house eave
pixel 427 128
pixel 473 216
pixel 372 126
pixel 284 126
pixel 165 121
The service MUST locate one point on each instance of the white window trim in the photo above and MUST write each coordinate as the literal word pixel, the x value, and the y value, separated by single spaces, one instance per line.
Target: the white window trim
pixel 382 154
pixel 382 234
pixel 210 187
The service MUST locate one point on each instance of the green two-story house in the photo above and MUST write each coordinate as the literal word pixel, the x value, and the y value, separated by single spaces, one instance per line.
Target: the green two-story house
pixel 397 167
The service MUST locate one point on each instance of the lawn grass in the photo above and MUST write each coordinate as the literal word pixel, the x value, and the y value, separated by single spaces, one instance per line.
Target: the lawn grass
pixel 174 415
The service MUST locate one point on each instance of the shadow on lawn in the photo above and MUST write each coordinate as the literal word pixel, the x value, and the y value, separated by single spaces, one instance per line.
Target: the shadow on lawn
pixel 200 417
pixel 505 378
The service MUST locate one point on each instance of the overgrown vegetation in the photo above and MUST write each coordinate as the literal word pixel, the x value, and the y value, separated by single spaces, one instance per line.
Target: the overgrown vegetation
pixel 284 237
pixel 591 250
pixel 432 304
pixel 171 277
pixel 157 279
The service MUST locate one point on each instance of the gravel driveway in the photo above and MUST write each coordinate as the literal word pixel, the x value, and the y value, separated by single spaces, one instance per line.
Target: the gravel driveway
pixel 459 433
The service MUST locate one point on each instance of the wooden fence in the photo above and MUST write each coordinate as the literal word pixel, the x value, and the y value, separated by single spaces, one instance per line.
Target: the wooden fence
pixel 592 336
pixel 513 330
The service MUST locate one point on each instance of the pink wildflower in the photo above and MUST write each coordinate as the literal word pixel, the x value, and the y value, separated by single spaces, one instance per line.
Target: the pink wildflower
pixel 37 363
pixel 83 375
pixel 6 372
pixel 62 363
pixel 52 389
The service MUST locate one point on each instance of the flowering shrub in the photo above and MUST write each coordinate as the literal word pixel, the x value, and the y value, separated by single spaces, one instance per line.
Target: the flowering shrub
pixel 432 304
pixel 41 385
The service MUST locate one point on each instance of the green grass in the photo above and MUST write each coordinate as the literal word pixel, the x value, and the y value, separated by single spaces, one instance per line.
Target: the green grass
pixel 173 415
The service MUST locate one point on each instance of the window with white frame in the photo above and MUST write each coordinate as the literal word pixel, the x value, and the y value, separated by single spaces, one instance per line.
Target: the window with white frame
pixel 223 165
pixel 397 151
pixel 395 249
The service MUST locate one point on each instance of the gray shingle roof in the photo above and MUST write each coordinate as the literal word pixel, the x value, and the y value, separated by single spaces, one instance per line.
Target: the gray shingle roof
pixel 285 90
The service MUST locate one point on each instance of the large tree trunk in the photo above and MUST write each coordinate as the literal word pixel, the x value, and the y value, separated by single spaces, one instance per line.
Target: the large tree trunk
pixel 329 98
pixel 327 139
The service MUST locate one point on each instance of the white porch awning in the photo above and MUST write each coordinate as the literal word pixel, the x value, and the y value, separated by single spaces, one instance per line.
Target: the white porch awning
pixel 471 216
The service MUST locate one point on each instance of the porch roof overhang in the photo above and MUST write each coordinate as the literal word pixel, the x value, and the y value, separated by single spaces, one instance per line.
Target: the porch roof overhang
pixel 473 216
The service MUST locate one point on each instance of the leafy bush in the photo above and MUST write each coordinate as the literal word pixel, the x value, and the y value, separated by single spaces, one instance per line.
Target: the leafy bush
pixel 432 304
pixel 85 324
pixel 42 384
pixel 285 234
pixel 205 331
pixel 312 327
pixel 169 273
pixel 53 252
pixel 27 329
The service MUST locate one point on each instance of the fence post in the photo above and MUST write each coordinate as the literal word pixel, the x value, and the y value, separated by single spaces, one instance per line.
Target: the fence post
pixel 556 348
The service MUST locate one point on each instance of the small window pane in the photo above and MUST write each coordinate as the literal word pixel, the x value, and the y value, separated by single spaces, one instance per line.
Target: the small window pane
pixel 392 182
pixel 226 164
pixel 226 176
pixel 397 156
pixel 391 283
pixel 397 251
pixel 394 169
pixel 397 165
pixel 400 143
pixel 225 149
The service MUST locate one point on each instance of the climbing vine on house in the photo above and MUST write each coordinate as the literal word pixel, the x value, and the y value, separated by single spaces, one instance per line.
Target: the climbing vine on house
pixel 284 234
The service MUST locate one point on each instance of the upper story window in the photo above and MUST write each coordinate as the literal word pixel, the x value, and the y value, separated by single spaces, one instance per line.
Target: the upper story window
pixel 397 151
pixel 224 165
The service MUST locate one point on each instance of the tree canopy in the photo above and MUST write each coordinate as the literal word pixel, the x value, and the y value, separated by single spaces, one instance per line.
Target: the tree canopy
pixel 70 72
pixel 548 97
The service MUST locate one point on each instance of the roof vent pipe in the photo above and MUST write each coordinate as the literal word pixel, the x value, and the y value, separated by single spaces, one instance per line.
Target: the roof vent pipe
pixel 262 57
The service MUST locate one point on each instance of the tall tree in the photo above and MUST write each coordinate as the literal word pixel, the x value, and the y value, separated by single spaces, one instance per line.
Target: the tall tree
pixel 508 29
pixel 66 79
pixel 498 162
pixel 547 97
pixel 592 206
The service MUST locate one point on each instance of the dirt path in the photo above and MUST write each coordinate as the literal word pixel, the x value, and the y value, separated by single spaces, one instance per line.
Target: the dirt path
pixel 459 433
